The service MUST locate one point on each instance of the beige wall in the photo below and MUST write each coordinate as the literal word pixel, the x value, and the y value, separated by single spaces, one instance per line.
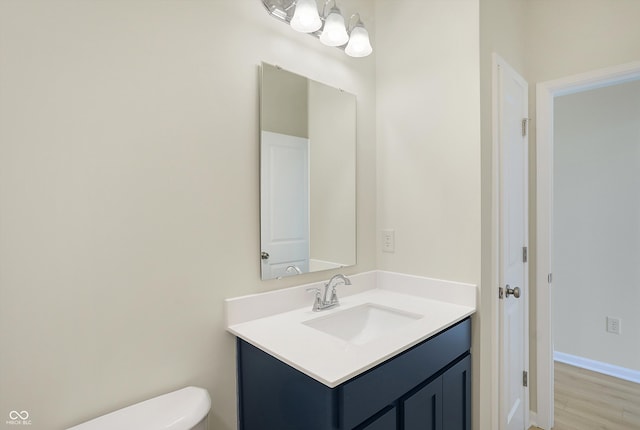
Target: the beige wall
pixel 566 37
pixel 596 221
pixel 428 136
pixel 428 130
pixel 284 102
pixel 129 194
pixel 332 134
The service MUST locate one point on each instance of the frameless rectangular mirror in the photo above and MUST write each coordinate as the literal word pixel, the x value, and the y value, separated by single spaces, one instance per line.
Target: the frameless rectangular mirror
pixel 307 175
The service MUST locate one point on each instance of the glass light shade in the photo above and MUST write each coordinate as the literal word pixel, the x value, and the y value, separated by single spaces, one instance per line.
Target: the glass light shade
pixel 334 32
pixel 359 45
pixel 306 18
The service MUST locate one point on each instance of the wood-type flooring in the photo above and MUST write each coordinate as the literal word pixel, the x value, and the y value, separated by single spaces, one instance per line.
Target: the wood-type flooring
pixel 586 400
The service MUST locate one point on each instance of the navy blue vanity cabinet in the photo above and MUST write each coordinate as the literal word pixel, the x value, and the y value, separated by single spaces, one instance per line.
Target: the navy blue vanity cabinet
pixel 425 387
pixel 387 420
pixel 456 396
pixel 446 399
pixel 423 410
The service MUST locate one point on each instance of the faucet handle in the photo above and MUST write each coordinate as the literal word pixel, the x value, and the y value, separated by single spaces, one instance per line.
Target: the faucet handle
pixel 334 296
pixel 317 303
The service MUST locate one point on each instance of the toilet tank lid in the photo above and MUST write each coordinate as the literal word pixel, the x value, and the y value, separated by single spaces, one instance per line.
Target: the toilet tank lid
pixel 178 410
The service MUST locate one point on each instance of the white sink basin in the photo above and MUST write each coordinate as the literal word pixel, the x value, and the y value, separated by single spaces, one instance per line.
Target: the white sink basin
pixel 363 323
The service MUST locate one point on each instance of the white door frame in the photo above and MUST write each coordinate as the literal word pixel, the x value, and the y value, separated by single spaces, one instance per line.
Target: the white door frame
pixel 545 94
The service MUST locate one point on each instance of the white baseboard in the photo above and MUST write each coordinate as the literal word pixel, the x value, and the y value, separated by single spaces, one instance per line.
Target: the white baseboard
pixel 533 421
pixel 598 366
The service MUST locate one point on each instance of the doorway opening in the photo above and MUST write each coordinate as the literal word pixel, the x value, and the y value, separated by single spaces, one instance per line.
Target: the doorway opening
pixel 546 95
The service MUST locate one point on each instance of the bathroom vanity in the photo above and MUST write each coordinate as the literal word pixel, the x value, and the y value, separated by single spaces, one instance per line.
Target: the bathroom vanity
pixel 426 387
pixel 405 365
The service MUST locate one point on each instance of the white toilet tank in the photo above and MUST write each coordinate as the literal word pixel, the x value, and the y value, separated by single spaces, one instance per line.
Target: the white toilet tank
pixel 185 409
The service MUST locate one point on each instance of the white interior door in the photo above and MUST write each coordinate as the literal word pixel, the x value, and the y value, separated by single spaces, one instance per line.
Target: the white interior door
pixel 284 204
pixel 512 111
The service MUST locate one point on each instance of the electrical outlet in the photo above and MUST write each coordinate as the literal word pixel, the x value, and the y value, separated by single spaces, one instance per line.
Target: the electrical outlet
pixel 388 241
pixel 613 325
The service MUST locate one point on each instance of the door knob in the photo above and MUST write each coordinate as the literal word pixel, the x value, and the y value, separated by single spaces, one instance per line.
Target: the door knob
pixel 264 255
pixel 515 292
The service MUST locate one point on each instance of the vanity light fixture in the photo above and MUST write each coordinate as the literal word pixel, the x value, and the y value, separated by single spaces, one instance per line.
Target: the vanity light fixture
pixel 334 33
pixel 330 28
pixel 305 17
pixel 359 45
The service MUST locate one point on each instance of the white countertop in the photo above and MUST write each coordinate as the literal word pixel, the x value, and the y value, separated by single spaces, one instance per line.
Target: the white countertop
pixel 273 322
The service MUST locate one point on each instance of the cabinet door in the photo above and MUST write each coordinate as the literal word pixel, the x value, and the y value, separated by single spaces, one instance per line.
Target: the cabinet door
pixel 275 396
pixel 365 395
pixel 423 410
pixel 456 396
pixel 386 421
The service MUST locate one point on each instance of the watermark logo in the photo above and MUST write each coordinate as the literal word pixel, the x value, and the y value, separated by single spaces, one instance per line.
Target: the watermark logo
pixel 20 418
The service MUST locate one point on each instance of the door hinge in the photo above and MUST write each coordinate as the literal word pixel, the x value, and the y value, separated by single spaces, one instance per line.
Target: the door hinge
pixel 525 379
pixel 524 254
pixel 550 278
pixel 525 124
pixel 500 293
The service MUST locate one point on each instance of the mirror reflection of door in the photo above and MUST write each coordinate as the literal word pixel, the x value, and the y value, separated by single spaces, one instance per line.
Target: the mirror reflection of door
pixel 307 178
pixel 284 204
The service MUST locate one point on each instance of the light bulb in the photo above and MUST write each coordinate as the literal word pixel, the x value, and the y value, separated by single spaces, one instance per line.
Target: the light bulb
pixel 306 18
pixel 334 32
pixel 359 45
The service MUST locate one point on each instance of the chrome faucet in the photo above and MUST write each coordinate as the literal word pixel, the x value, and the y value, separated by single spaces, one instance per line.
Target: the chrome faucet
pixel 291 269
pixel 321 303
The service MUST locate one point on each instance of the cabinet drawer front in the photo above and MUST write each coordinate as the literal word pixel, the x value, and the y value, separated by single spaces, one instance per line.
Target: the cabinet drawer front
pixel 364 395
